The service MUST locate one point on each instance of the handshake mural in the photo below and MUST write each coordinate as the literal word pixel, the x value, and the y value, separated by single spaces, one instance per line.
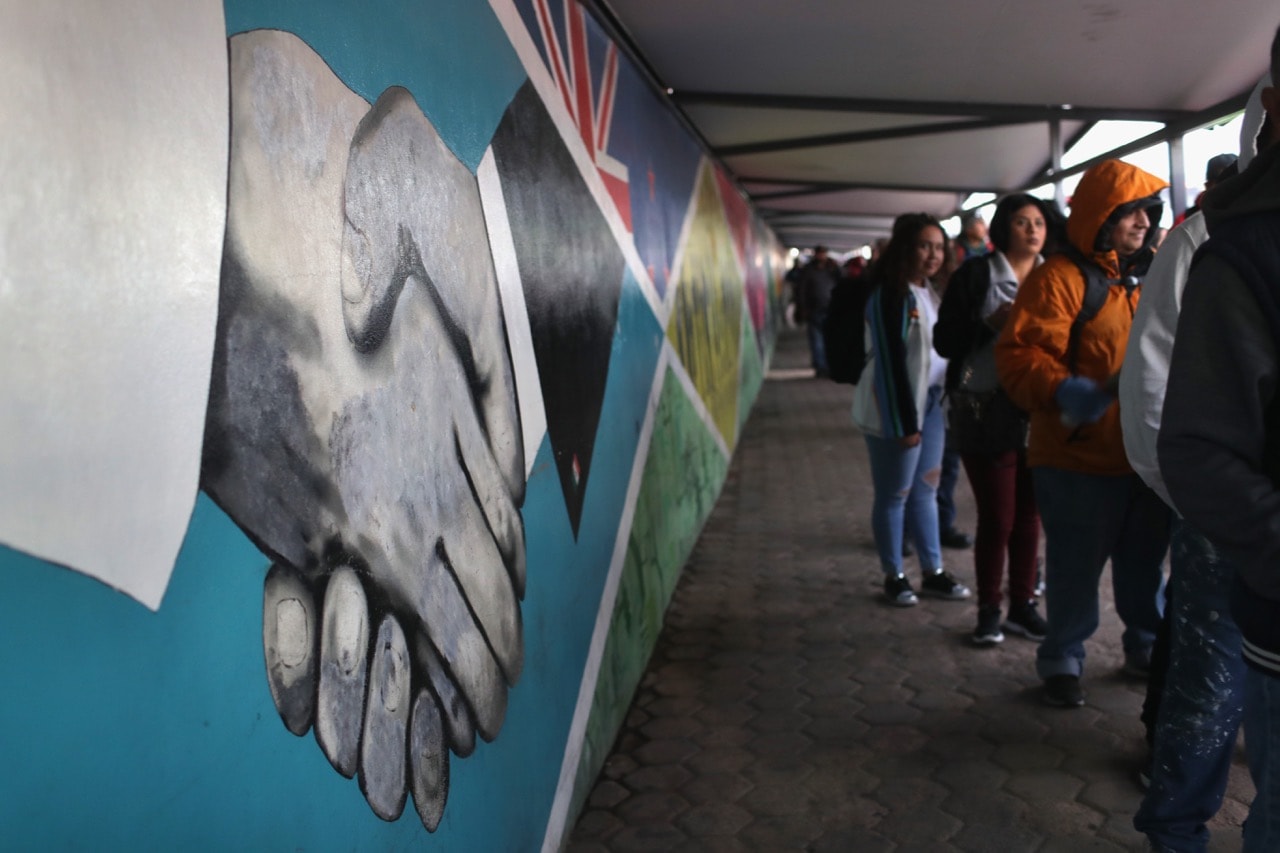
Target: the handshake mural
pixel 363 426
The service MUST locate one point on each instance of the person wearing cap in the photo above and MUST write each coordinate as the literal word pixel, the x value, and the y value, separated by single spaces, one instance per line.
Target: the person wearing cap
pixel 1218 169
pixel 1092 505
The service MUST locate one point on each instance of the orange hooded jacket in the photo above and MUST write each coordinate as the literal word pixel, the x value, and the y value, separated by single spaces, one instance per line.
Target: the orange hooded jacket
pixel 1031 353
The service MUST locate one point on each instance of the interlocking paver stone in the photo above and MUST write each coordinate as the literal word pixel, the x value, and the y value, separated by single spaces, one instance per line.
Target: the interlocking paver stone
pixel 652 808
pixel 607 794
pixel 654 838
pixel 715 788
pixel 598 825
pixel 786 707
pixel 714 818
pixel 778 721
pixel 665 751
pixel 664 777
pixel 919 827
pixel 659 728
pixel 774 800
pixel 719 760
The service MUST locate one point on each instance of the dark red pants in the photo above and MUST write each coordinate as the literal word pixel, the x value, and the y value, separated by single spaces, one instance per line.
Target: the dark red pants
pixel 1008 523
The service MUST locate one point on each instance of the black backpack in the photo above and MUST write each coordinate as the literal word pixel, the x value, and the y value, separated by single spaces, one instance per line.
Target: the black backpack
pixel 844 331
pixel 1096 286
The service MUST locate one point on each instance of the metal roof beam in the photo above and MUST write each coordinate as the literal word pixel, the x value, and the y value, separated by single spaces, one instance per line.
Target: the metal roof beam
pixel 904 132
pixel 1007 112
pixel 810 188
pixel 1172 130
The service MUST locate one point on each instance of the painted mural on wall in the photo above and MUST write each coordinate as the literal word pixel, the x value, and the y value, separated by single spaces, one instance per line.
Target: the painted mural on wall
pixel 707 312
pixel 362 424
pixel 682 475
pixel 646 158
pixel 751 371
pixel 571 270
pixel 751 240
pixel 466 411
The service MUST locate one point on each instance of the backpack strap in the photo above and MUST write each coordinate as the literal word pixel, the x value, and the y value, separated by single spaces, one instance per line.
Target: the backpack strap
pixel 1096 286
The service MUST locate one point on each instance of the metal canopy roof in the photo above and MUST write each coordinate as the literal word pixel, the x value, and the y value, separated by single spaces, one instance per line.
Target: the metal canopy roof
pixel 835 116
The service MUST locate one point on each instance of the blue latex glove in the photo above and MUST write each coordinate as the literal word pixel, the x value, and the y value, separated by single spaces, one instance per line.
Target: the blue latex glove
pixel 1082 400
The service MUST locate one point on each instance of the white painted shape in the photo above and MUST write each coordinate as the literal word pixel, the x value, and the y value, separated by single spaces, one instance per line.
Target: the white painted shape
pixel 114 159
pixel 554 836
pixel 515 312
pixel 547 90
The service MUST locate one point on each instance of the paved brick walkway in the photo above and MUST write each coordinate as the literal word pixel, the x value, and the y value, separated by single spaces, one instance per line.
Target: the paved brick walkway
pixel 787 708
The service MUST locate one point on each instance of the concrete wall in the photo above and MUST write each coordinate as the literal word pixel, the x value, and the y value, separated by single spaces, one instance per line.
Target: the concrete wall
pixel 370 370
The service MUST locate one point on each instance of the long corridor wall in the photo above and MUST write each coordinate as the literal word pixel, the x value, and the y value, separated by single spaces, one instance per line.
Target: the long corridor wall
pixel 369 373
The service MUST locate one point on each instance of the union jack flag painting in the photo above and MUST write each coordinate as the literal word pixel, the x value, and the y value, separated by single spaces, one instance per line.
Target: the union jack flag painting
pixel 569 61
pixel 627 127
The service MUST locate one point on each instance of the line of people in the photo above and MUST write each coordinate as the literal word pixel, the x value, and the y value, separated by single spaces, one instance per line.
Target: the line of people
pixel 1018 366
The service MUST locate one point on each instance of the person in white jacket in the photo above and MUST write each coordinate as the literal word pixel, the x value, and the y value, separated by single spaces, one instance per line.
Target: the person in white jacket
pixel 898 407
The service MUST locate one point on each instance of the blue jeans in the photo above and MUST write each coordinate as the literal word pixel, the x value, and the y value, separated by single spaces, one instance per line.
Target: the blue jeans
pixel 817 344
pixel 906 487
pixel 1261 743
pixel 1088 519
pixel 1195 735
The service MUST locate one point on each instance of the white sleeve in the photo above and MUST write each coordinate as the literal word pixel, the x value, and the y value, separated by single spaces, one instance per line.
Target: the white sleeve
pixel 1145 372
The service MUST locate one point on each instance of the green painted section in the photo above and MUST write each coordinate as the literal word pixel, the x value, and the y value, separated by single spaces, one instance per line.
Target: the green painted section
pixel 682 477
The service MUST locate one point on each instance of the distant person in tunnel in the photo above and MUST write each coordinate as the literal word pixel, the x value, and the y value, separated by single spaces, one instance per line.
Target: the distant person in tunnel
pixel 897 405
pixel 1058 358
pixel 973 241
pixel 817 280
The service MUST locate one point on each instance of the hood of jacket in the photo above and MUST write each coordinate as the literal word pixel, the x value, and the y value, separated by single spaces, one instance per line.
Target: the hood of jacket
pixel 1102 189
pixel 1255 190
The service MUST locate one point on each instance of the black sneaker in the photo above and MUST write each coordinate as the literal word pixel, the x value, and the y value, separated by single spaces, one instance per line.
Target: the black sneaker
pixel 939 584
pixel 898 591
pixel 1063 691
pixel 988 631
pixel 952 538
pixel 1026 622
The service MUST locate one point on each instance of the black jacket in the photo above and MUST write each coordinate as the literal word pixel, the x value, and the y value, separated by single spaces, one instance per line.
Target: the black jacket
pixel 1219 442
pixel 960 331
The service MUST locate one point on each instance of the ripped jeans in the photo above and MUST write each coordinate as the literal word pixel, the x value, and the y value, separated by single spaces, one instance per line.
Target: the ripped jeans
pixel 906 491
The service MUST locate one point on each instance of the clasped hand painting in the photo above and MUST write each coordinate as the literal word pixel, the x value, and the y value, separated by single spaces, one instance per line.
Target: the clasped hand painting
pixel 369 372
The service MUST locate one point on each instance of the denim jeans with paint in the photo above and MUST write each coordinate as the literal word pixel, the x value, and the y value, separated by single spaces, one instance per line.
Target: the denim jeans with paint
pixel 1262 747
pixel 906 491
pixel 1088 519
pixel 1200 711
